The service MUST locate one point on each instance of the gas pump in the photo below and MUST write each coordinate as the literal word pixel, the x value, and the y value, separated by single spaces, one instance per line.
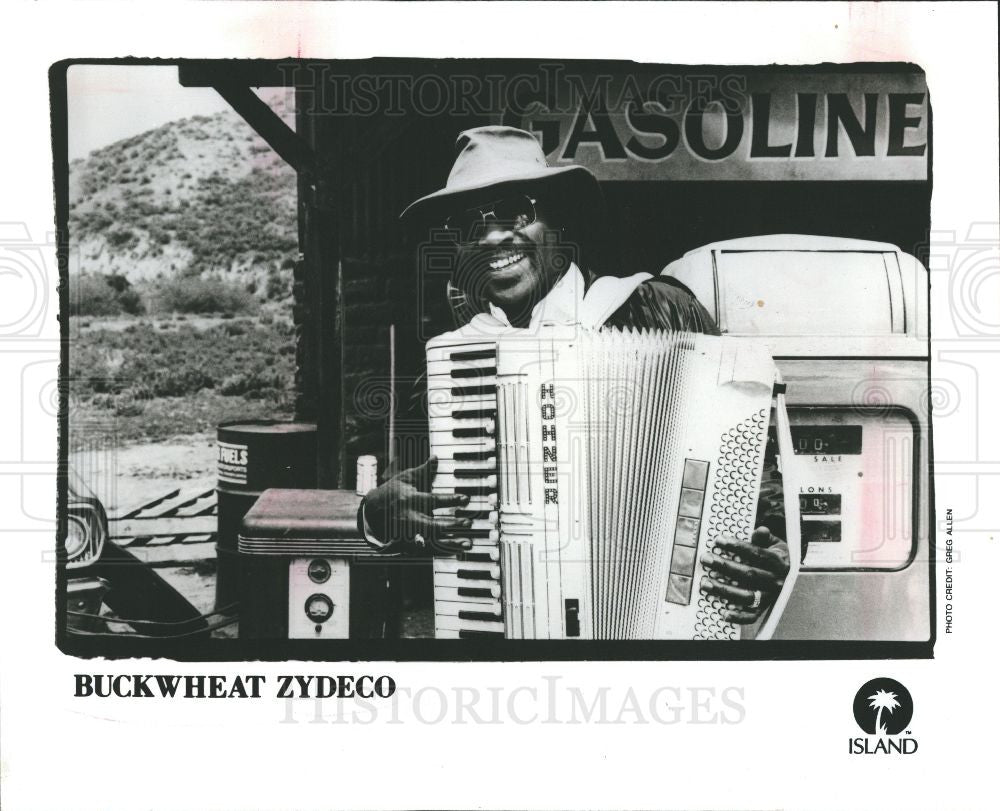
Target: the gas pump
pixel 846 322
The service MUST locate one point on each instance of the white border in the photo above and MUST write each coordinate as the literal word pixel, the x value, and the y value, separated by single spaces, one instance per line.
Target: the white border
pixel 790 749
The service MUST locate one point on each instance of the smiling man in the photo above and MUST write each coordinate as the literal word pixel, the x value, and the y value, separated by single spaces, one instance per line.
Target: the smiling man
pixel 526 236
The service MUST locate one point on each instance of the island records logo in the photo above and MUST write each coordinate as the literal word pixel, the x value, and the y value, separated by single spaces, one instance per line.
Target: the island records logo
pixel 883 708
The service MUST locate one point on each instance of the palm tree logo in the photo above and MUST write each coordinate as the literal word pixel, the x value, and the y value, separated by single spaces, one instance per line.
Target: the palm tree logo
pixel 882 700
pixel 883 707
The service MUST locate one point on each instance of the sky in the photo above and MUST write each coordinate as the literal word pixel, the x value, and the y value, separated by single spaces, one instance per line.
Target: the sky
pixel 106 103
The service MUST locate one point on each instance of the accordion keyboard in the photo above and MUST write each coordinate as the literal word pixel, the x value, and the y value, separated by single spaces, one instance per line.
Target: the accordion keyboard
pixel 462 404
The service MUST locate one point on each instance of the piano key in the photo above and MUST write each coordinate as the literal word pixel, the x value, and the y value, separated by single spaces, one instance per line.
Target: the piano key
pixel 449 623
pixel 449 463
pixel 473 354
pixel 467 570
pixel 442 401
pixel 462 391
pixel 480 616
pixel 449 479
pixel 441 390
pixel 448 633
pixel 474 593
pixel 462 352
pixel 473 548
pixel 491 516
pixel 453 581
pixel 445 380
pixel 474 413
pixel 488 593
pixel 477 504
pixel 474 473
pixel 472 456
pixel 480 518
pixel 476 491
pixel 443 386
pixel 473 371
pixel 481 555
pixel 438 363
pixel 469 451
pixel 489 611
pixel 474 431
pixel 490 534
pixel 446 425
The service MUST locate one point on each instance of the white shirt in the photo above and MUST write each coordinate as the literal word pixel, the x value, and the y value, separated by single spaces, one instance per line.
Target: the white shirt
pixel 561 304
pixel 570 302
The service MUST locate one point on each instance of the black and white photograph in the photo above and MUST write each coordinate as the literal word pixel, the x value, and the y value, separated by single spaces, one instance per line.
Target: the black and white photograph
pixel 497 351
pixel 499 405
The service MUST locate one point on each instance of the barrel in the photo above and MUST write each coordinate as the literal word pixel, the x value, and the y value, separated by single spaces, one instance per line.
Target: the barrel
pixel 254 456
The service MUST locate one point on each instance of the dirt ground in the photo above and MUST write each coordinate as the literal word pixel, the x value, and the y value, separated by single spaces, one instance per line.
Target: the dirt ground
pixel 135 474
pixel 130 475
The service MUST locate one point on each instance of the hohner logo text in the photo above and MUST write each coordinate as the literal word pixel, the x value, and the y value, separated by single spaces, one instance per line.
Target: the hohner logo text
pixel 549 471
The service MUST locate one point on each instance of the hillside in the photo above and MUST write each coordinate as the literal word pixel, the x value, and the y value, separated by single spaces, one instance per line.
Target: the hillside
pixel 200 196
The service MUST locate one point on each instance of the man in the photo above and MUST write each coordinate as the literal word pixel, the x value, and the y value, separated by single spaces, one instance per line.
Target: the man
pixel 524 234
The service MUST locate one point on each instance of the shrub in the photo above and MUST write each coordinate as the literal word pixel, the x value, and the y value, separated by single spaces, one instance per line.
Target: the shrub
pixel 129 408
pixel 91 295
pixel 131 302
pixel 121 237
pixel 252 384
pixel 179 382
pixel 117 282
pixel 94 294
pixel 277 286
pixel 194 294
pixel 103 401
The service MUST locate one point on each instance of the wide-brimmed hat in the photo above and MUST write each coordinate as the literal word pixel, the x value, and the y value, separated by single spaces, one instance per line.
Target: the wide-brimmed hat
pixel 491 160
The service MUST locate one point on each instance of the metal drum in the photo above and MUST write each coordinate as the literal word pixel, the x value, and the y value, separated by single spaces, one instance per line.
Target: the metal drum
pixel 254 456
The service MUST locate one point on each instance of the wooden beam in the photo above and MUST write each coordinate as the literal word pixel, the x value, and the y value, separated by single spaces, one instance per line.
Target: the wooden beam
pixel 319 219
pixel 270 126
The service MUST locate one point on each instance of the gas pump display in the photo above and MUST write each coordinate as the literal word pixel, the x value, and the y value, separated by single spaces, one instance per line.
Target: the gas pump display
pixel 853 475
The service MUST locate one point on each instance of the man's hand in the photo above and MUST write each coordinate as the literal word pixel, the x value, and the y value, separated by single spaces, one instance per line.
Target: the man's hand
pixel 759 566
pixel 400 509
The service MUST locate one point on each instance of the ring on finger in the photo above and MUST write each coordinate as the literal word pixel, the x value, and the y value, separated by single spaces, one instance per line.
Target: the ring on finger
pixel 758 596
pixel 419 541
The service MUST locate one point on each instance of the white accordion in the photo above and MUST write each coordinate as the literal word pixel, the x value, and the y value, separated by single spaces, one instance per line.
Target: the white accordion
pixel 600 466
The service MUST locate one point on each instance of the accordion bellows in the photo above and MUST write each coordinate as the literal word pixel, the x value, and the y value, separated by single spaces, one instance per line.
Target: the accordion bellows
pixel 600 466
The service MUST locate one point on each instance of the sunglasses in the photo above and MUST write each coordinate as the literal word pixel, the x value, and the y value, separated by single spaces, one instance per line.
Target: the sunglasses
pixel 516 212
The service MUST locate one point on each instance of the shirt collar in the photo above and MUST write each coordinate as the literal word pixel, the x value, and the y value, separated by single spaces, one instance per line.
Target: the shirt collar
pixel 560 306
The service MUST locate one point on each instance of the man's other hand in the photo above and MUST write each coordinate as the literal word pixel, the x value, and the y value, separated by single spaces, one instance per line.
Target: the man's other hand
pixel 400 513
pixel 752 572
